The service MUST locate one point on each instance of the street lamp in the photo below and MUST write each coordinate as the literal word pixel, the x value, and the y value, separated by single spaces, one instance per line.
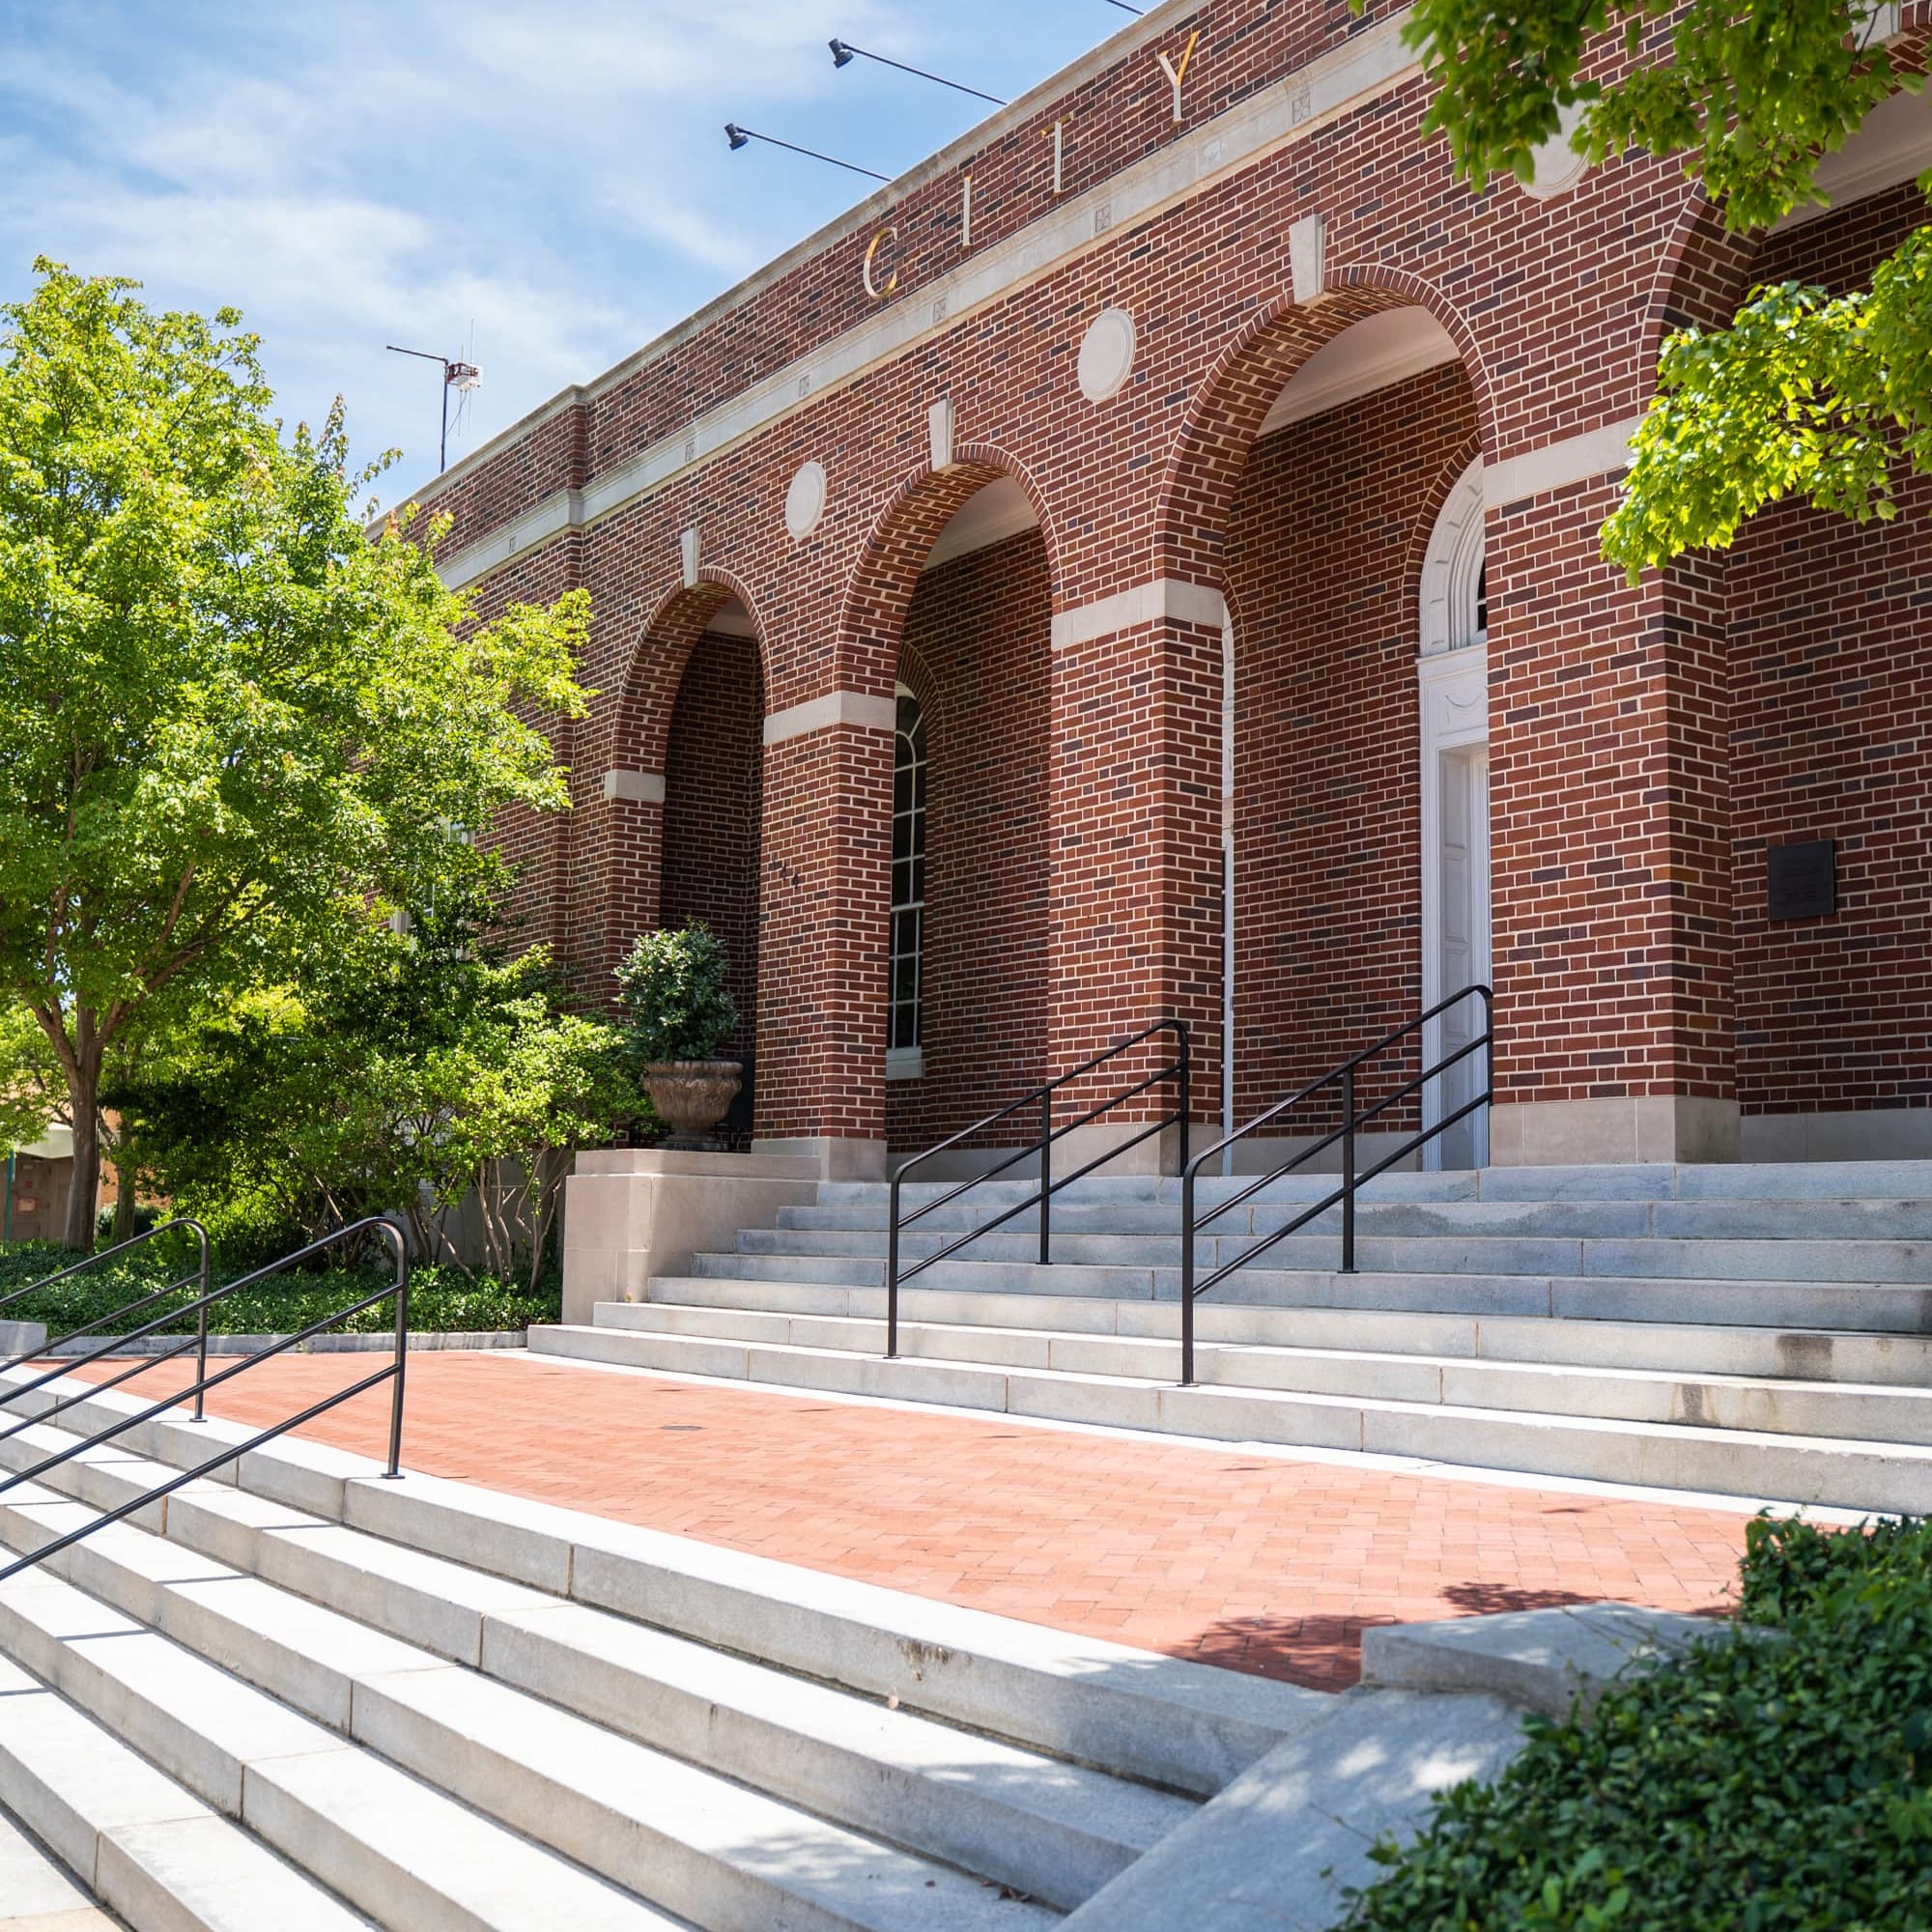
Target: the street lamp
pixel 738 136
pixel 842 52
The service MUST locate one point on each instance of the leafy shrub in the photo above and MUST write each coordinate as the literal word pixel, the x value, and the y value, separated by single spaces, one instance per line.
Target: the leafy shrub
pixel 442 1299
pixel 1757 1784
pixel 675 999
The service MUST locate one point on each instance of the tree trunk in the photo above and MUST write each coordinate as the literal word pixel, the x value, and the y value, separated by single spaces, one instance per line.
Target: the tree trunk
pixel 124 1201
pixel 83 1091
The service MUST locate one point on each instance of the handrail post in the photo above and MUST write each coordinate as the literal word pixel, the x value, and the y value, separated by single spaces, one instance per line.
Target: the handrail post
pixel 1186 1277
pixel 402 1352
pixel 1186 1090
pixel 1347 1169
pixel 892 1268
pixel 1046 1177
pixel 201 1332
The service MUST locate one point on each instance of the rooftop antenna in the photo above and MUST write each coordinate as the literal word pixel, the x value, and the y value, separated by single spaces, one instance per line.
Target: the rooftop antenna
pixel 464 377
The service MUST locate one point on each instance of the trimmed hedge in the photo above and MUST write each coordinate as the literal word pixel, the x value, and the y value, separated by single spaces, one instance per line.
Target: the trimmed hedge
pixel 442 1299
pixel 1774 1783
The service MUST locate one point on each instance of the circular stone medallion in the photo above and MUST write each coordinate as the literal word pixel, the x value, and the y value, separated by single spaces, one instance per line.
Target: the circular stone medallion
pixel 1556 166
pixel 1107 355
pixel 804 500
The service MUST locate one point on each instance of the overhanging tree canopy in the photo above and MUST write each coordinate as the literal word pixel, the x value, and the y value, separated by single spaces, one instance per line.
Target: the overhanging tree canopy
pixel 1807 394
pixel 233 728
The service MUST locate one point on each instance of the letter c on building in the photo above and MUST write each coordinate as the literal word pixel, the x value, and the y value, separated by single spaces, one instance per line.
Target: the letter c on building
pixel 877 294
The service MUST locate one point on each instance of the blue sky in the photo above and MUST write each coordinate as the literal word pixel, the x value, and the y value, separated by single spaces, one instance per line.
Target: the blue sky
pixel 549 182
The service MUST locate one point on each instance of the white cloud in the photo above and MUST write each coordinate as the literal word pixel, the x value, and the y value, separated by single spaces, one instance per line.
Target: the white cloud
pixel 554 174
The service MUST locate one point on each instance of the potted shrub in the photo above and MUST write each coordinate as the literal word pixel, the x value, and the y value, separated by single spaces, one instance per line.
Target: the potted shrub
pixel 679 1012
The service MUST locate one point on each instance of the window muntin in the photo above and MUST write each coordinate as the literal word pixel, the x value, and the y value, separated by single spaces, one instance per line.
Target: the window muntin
pixel 908 910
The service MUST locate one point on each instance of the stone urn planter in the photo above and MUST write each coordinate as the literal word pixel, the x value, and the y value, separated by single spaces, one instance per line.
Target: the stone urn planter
pixel 691 1096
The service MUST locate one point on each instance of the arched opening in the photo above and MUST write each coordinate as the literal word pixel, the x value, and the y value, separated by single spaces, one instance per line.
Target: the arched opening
pixel 681 806
pixel 966 1021
pixel 714 770
pixel 1329 520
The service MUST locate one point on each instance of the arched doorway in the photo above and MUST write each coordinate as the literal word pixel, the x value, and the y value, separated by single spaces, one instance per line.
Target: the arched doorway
pixel 714 770
pixel 967 1022
pixel 1330 865
pixel 1452 672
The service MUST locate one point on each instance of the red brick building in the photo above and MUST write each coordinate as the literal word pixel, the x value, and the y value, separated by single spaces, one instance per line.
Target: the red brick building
pixel 1144 560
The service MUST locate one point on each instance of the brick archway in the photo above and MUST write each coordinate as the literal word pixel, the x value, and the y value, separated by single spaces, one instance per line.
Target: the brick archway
pixel 879 590
pixel 626 813
pixel 1203 466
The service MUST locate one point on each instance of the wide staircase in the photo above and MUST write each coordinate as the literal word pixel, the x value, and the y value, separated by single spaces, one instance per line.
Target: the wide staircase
pixel 1760 1331
pixel 320 1699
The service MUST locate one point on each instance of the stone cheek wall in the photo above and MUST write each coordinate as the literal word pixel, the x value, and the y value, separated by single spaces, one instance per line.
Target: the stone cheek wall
pixel 1613 709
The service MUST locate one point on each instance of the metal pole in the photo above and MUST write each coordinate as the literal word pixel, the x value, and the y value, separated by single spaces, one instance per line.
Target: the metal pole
pixel 1186 1090
pixel 6 1239
pixel 1186 1276
pixel 442 447
pixel 1046 1176
pixel 402 1352
pixel 201 1331
pixel 1349 1170
pixel 893 1271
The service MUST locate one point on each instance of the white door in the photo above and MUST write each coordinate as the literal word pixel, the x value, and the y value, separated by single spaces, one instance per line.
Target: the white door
pixel 1463 859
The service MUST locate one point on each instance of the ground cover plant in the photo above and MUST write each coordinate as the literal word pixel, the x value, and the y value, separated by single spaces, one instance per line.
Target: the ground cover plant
pixel 1777 1782
pixel 442 1299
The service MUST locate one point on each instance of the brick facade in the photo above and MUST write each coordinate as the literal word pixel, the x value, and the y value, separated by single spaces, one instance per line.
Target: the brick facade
pixel 1644 742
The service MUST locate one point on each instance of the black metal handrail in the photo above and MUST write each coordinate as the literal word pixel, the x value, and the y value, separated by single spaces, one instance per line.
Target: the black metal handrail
pixel 199 1273
pixel 1351 1181
pixel 393 1371
pixel 1178 1071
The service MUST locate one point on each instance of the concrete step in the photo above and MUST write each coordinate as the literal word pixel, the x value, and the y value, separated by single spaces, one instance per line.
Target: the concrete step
pixel 644 1825
pixel 1735 1181
pixel 1808 1355
pixel 1790 1468
pixel 1774 1405
pixel 1871 1261
pixel 1833 1305
pixel 138 1841
pixel 1042 1826
pixel 1700 1220
pixel 1159 1721
pixel 39 1894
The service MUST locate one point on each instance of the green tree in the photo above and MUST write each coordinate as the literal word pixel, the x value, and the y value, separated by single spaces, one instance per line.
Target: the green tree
pixel 1806 394
pixel 422 1073
pixel 234 730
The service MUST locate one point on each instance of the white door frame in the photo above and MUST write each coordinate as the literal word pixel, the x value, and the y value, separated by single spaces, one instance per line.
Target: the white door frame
pixel 1453 705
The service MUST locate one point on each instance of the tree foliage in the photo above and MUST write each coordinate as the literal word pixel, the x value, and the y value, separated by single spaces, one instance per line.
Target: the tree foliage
pixel 418 1074
pixel 1806 395
pixel 234 732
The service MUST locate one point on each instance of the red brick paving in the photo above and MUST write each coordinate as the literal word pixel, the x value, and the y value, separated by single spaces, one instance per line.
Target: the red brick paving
pixel 1254 1563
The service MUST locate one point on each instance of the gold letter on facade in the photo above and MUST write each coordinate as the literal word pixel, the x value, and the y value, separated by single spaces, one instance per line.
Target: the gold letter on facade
pixel 872 249
pixel 1177 74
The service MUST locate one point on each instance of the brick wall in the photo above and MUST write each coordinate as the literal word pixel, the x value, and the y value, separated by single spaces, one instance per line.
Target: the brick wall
pixel 714 772
pixel 1831 738
pixel 1613 726
pixel 1323 557
pixel 976 653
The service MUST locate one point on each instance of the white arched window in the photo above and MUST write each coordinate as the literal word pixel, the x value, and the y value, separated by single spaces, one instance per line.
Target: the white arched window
pixel 906 1030
pixel 1455 582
